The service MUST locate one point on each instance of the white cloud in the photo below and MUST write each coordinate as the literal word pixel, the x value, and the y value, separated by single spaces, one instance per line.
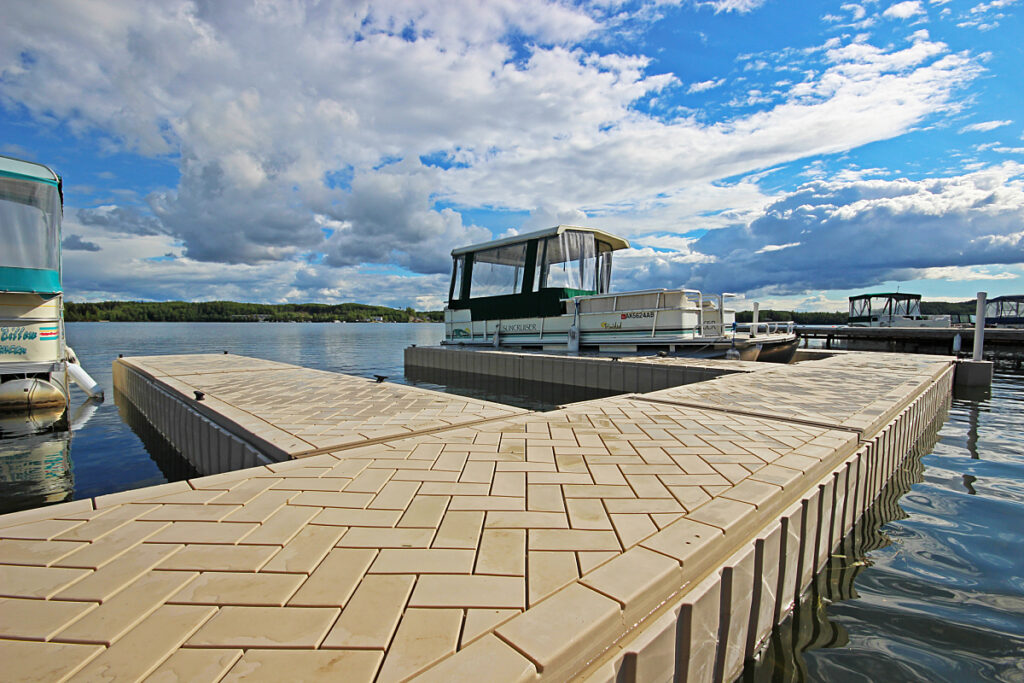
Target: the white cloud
pixel 984 126
pixel 702 86
pixel 738 6
pixel 962 274
pixel 904 10
pixel 845 235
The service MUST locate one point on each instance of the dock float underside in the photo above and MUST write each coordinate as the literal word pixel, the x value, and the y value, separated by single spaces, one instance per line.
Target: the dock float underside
pixel 380 532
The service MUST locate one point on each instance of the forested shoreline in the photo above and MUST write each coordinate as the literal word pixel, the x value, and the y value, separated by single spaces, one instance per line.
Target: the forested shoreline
pixel 231 311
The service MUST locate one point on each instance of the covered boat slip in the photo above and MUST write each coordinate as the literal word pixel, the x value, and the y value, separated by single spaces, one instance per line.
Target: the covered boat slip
pixel 551 290
pixel 426 535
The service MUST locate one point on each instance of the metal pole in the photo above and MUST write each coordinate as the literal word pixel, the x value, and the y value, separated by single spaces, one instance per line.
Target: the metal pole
pixel 753 324
pixel 979 326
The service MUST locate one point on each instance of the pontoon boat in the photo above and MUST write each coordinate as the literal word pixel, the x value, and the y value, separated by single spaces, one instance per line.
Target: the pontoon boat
pixel 550 290
pixel 35 362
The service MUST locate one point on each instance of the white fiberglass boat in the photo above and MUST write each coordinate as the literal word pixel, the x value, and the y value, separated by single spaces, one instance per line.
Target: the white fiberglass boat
pixel 35 362
pixel 549 290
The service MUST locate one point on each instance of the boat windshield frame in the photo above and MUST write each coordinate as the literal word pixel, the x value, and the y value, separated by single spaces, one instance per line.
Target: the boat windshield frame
pixel 890 305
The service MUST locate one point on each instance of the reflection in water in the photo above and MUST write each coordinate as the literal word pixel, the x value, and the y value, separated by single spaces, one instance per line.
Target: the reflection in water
pixel 172 464
pixel 35 462
pixel 929 585
pixel 809 626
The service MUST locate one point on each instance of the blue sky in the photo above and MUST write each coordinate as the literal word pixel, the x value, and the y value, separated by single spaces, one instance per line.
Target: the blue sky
pixel 289 151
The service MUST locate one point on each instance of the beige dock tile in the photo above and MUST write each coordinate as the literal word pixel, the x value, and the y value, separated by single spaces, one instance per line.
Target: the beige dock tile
pixel 192 513
pixel 203 532
pixel 43 530
pixel 591 559
pixel 395 495
pixel 244 492
pixel 690 497
pixel 274 666
pixel 477 472
pixel 632 529
pixel 686 541
pixel 348 517
pixel 37 553
pixel 265 627
pixel 280 527
pixel 25 660
pixel 476 590
pixel 219 558
pixel 19 581
pixel 425 512
pixel 502 552
pixel 439 488
pixel 486 503
pixel 548 572
pixel 371 615
pixel 253 589
pixel 757 493
pixel 639 580
pixel 333 581
pixel 572 539
pixel 587 513
pixel 423 637
pixel 480 622
pixel 527 520
pixel 330 499
pixel 117 616
pixel 722 513
pixel 325 484
pixel 502 664
pixel 597 491
pixel 607 475
pixel 27 619
pixel 195 665
pixel 261 506
pixel 459 529
pixel 114 519
pixel 423 561
pixel 148 644
pixel 565 631
pixel 366 537
pixel 544 498
pixel 511 484
pixel 112 545
pixel 303 553
pixel 104 583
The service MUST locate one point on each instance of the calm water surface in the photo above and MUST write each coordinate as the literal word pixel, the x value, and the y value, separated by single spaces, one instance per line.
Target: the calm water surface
pixel 929 587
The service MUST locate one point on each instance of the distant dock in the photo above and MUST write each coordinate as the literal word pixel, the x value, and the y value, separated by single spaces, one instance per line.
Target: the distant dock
pixel 381 532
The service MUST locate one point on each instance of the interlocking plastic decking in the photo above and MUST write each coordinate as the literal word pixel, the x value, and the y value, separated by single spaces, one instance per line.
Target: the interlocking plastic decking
pixel 409 533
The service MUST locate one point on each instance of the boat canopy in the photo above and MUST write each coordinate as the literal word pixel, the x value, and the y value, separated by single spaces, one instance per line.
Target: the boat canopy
pixel 889 304
pixel 1005 310
pixel 30 217
pixel 530 274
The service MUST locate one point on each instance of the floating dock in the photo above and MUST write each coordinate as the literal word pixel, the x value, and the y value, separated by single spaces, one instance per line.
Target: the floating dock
pixel 381 532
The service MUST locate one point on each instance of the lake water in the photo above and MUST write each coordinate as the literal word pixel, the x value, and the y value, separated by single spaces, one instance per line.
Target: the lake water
pixel 929 587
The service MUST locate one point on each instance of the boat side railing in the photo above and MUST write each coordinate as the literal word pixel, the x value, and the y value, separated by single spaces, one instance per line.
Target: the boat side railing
pixel 771 327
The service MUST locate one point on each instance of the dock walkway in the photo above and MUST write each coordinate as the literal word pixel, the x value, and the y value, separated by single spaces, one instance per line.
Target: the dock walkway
pixel 411 533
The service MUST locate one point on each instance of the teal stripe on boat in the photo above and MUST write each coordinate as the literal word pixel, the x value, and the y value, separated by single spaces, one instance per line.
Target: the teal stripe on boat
pixel 36 280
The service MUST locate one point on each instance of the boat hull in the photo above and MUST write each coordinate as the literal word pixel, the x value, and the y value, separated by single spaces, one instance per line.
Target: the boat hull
pixel 31 392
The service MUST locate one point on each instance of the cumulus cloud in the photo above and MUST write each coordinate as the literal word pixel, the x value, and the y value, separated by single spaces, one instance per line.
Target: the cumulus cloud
pixel 843 235
pixel 904 10
pixel 315 138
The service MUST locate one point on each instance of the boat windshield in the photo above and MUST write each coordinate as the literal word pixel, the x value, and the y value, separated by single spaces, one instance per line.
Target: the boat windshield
pixel 29 226
pixel 573 260
pixel 498 271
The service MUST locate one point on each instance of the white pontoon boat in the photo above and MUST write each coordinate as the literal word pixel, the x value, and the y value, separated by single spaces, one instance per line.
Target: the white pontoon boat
pixel 892 309
pixel 35 362
pixel 550 290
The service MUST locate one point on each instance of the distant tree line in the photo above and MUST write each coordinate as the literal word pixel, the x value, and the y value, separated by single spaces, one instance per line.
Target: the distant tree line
pixel 231 311
pixel 839 318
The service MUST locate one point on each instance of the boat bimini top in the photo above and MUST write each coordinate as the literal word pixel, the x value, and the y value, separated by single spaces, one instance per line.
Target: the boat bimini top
pixel 30 217
pixel 530 275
